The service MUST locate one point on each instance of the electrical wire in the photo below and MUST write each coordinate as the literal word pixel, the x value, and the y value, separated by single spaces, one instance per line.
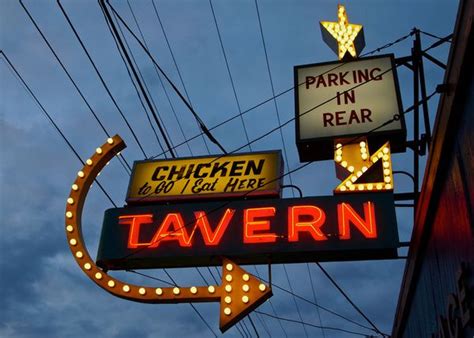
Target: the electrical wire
pixel 192 305
pixel 349 299
pixel 163 152
pixel 271 305
pixel 334 313
pixel 434 36
pixel 151 277
pixel 127 167
pixel 438 43
pixel 137 78
pixel 146 94
pixel 273 92
pixel 203 127
pixel 294 301
pixel 76 34
pixel 229 73
pixel 313 325
pixel 198 120
pixel 50 119
pixel 161 81
pixel 315 299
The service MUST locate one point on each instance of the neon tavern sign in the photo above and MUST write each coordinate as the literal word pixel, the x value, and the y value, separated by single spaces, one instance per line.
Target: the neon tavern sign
pixel 308 219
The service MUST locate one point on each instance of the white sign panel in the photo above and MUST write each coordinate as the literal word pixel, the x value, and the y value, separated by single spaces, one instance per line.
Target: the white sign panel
pixel 360 96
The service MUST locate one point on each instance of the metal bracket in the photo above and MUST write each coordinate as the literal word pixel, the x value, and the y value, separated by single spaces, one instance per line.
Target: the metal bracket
pixel 420 146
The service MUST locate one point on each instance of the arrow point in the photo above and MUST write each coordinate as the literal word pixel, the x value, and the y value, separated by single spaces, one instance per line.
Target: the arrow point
pixel 241 294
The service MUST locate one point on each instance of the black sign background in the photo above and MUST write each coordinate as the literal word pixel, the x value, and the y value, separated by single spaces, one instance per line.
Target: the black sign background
pixel 113 253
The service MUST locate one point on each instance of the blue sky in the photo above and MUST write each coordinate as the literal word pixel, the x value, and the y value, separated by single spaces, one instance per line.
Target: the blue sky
pixel 43 292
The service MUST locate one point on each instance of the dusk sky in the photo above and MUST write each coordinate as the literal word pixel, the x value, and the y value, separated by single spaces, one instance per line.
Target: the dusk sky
pixel 43 291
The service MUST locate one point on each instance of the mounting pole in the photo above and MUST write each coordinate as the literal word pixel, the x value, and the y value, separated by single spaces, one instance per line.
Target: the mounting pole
pixel 416 53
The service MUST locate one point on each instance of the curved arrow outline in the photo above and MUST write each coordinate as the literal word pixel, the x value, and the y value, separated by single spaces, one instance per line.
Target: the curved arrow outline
pixel 250 290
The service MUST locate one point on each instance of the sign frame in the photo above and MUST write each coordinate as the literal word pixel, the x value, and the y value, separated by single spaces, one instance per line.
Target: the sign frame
pixel 322 148
pixel 276 193
pixel 115 252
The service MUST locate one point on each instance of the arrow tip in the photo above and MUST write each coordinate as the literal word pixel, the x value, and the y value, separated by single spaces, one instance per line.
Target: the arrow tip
pixel 241 294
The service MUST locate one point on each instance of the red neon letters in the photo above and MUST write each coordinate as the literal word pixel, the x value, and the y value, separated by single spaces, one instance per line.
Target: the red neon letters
pixel 347 215
pixel 302 220
pixel 296 224
pixel 251 225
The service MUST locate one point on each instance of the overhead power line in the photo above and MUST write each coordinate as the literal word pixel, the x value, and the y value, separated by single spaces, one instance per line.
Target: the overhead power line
pixel 127 168
pixel 275 103
pixel 161 81
pixel 348 298
pixel 137 78
pixel 176 66
pixel 76 34
pixel 50 119
pixel 315 299
pixel 143 81
pixel 201 123
pixel 313 325
pixel 229 73
pixel 163 152
pixel 192 305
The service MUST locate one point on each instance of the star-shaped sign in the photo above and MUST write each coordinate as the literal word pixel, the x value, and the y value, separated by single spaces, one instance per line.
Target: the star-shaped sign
pixel 342 36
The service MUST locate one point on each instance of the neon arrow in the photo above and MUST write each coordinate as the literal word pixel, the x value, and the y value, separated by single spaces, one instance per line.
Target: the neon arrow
pixel 239 293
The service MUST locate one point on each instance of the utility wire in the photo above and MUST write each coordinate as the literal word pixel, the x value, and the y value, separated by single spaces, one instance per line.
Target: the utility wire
pixel 273 93
pixel 177 70
pixel 50 119
pixel 191 304
pixel 348 298
pixel 72 80
pixel 319 306
pixel 294 301
pixel 163 152
pixel 435 36
pixel 313 325
pixel 101 78
pixel 161 81
pixel 315 299
pixel 439 43
pixel 230 74
pixel 151 277
pixel 142 79
pixel 253 325
pixel 201 123
pixel 137 79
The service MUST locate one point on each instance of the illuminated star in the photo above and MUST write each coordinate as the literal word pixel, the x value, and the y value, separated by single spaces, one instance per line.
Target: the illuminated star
pixel 343 36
